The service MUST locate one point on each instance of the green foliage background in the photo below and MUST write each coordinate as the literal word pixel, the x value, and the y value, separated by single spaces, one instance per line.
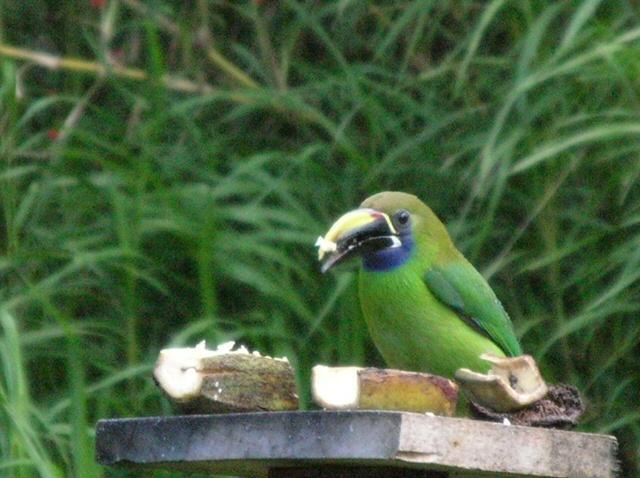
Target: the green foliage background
pixel 136 216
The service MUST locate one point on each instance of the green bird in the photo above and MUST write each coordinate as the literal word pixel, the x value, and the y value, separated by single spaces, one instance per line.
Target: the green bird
pixel 427 308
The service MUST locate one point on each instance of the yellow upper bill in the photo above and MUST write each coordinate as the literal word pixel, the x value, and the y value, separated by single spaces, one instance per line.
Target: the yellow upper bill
pixel 347 222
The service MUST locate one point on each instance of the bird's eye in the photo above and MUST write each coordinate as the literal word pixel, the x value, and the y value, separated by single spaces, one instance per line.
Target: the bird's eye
pixel 402 217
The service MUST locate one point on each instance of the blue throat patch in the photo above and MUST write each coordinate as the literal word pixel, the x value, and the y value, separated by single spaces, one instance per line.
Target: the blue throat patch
pixel 391 258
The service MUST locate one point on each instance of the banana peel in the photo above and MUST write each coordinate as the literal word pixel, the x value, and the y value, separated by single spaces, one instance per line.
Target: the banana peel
pixel 199 380
pixel 511 384
pixel 356 388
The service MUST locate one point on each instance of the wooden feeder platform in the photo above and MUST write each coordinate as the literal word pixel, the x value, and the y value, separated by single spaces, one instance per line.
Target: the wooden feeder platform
pixel 355 444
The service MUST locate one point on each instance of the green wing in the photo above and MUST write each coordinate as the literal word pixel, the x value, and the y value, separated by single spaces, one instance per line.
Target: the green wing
pixel 460 286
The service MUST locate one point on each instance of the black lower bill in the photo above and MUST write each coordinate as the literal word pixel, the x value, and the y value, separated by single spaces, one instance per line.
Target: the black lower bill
pixel 349 247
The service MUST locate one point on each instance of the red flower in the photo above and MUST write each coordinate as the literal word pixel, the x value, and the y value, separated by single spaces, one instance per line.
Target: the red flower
pixel 98 3
pixel 53 134
pixel 117 54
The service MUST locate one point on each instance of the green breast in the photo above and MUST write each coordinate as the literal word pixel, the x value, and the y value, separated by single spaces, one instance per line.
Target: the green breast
pixel 415 331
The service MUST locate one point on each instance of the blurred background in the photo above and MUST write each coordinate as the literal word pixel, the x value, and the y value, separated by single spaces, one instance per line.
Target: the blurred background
pixel 166 167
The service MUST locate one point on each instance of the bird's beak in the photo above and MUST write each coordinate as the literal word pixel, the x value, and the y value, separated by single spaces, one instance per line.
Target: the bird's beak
pixel 356 232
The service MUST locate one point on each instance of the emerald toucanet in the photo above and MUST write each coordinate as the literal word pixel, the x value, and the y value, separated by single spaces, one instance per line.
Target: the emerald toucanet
pixel 427 308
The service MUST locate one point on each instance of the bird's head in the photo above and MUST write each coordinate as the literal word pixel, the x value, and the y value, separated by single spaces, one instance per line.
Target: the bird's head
pixel 383 232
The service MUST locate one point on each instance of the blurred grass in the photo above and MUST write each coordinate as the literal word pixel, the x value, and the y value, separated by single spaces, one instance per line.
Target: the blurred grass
pixel 137 215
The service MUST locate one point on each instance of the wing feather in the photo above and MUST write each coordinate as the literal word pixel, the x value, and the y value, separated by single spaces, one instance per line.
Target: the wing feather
pixel 460 286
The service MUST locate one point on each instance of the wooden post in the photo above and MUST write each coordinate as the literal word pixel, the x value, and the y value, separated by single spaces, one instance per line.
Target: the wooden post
pixel 354 471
